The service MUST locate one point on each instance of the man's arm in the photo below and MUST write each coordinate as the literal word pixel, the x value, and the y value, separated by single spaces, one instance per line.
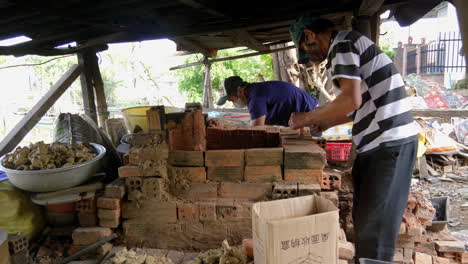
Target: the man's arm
pixel 258 122
pixel 349 100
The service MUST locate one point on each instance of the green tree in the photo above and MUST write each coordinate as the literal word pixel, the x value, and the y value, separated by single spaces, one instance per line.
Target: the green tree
pixel 191 78
pixel 388 50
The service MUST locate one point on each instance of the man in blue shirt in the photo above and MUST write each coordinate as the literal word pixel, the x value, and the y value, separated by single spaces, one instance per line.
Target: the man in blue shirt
pixel 269 103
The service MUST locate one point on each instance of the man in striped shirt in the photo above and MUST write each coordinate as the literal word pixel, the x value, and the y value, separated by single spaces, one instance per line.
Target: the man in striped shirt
pixel 372 95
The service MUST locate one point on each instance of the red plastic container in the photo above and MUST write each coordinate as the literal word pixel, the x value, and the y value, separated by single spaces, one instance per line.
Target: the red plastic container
pixel 338 151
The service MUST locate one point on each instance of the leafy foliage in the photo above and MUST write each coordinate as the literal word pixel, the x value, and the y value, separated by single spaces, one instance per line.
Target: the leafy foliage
pixel 388 50
pixel 191 78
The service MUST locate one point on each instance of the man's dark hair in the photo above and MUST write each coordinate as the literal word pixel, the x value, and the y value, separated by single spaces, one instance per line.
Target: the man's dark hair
pixel 319 25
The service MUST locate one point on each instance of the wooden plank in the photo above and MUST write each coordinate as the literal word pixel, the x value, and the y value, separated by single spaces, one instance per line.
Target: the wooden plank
pixel 441 113
pixel 193 45
pixel 87 90
pixel 232 57
pixel 156 120
pixel 243 37
pixel 35 114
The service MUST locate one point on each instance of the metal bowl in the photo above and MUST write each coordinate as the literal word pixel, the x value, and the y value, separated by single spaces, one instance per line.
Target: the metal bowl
pixel 55 179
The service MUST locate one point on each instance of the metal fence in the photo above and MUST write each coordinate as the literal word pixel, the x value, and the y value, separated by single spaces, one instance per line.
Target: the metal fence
pixel 411 64
pixel 444 55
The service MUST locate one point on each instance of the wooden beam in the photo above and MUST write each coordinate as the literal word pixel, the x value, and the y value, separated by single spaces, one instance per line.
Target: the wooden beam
pixel 207 88
pixel 101 101
pixel 86 78
pixel 202 7
pixel 37 112
pixel 440 113
pixel 243 37
pixel 193 45
pixel 231 58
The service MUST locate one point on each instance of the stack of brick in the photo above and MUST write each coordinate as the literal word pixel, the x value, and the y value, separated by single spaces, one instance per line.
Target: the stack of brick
pixel 418 246
pixel 85 236
pixel 242 138
pixel 186 131
pixel 87 212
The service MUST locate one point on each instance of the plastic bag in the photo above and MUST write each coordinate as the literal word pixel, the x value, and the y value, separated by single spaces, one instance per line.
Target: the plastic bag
pixel 439 143
pixel 461 129
pixel 18 214
pixel 73 128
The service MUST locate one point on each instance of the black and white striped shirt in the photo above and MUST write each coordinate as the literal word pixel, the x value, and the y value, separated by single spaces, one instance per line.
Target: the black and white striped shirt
pixel 384 118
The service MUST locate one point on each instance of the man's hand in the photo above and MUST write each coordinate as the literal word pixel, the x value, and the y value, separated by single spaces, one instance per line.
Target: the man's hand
pixel 320 126
pixel 298 120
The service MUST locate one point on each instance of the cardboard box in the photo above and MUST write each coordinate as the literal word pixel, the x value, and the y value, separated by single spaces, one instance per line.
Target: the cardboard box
pixel 4 253
pixel 296 230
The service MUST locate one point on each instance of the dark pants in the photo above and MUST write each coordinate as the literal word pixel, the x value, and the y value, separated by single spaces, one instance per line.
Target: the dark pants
pixel 382 180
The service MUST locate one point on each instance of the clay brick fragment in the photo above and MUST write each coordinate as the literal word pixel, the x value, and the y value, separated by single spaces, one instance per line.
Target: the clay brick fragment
pixel 108 214
pixel 115 189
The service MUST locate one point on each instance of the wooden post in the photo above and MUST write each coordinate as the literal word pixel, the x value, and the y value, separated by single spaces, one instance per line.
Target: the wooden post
pixel 86 79
pixel 462 11
pixel 101 101
pixel 207 89
pixel 37 112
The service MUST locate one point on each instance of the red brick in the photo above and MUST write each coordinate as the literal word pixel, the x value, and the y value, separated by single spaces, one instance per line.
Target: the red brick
pixel 421 258
pixel 424 213
pixel 440 260
pixel 87 219
pixel 153 189
pixel 225 173
pixel 264 157
pixel 450 246
pixel 188 212
pixel 263 173
pixel 224 158
pixel 110 223
pixel 89 235
pixel 231 209
pixel 86 205
pixel 309 156
pixel 192 174
pixel 187 158
pixel 346 250
pixel 108 214
pixel 331 180
pixel 426 248
pixel 284 190
pixel 108 203
pixel 148 211
pixel 408 254
pixel 303 175
pixel 200 191
pixel 207 211
pixel 402 229
pixel 115 189
pixel 250 191
pixel 130 171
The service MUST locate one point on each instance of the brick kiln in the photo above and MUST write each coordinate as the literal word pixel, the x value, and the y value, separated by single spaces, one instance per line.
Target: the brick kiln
pixel 182 196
